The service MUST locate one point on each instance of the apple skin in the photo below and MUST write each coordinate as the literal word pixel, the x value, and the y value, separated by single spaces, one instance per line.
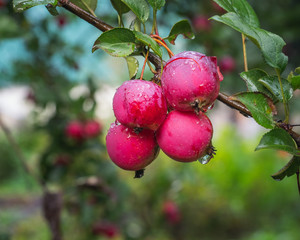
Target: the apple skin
pixel 131 150
pixel 185 136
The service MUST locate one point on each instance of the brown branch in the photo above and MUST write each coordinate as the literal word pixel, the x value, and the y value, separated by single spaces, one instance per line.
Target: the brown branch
pixel 96 22
pixel 85 15
pixel 52 206
pixel 157 62
pixel 222 97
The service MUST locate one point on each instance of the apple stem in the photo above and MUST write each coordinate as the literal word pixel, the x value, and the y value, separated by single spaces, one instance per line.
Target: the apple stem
pixel 143 69
pixel 171 54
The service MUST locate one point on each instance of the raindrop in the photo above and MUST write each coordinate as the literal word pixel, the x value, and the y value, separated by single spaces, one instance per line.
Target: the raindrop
pixel 205 159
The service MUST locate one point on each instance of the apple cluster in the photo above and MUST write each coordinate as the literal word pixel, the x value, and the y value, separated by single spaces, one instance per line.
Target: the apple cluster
pixel 79 130
pixel 171 117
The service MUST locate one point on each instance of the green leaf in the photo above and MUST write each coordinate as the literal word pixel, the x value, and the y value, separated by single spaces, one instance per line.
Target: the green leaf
pixel 133 66
pixel 52 10
pixel 87 5
pixel 242 8
pixel 297 70
pixel 288 170
pixel 269 43
pixel 260 106
pixel 118 42
pixel 22 5
pixel 148 41
pixel 278 139
pixel 135 25
pixel 272 84
pixel 140 8
pixel 157 4
pixel 295 82
pixel 182 27
pixel 251 78
pixel 120 6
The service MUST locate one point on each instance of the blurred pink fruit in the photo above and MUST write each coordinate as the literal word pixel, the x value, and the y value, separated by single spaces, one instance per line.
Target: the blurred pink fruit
pixel 201 23
pixel 227 64
pixel 75 130
pixel 106 229
pixel 171 212
pixel 61 21
pixel 92 129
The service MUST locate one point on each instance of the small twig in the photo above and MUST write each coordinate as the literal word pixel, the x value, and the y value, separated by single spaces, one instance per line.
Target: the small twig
pixel 298 181
pixel 143 69
pixel 244 52
pixel 15 146
pixel 19 153
pixel 171 54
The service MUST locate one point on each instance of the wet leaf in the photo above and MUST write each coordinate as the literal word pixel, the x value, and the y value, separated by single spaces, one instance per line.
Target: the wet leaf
pixel 22 5
pixel 278 139
pixel 182 27
pixel 118 42
pixel 259 105
pixel 252 77
pixel 242 8
pixel 157 4
pixel 148 41
pixel 288 170
pixel 140 8
pixel 269 43
pixel 133 66
pixel 86 5
pixel 120 6
pixel 272 84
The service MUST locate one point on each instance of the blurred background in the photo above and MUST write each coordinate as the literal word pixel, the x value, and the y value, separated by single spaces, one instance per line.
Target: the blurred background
pixel 51 83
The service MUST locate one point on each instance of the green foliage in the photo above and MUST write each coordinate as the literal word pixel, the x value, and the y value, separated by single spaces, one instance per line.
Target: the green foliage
pixel 139 8
pixel 22 5
pixel 260 107
pixel 272 84
pixel 252 78
pixel 269 43
pixel 148 41
pixel 118 42
pixel 157 4
pixel 87 5
pixel 242 8
pixel 288 170
pixel 120 6
pixel 280 140
pixel 133 66
pixel 294 80
pixel 182 27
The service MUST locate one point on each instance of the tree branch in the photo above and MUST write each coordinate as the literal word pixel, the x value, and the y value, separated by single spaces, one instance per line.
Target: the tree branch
pixel 96 22
pixel 156 61
pixel 85 15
